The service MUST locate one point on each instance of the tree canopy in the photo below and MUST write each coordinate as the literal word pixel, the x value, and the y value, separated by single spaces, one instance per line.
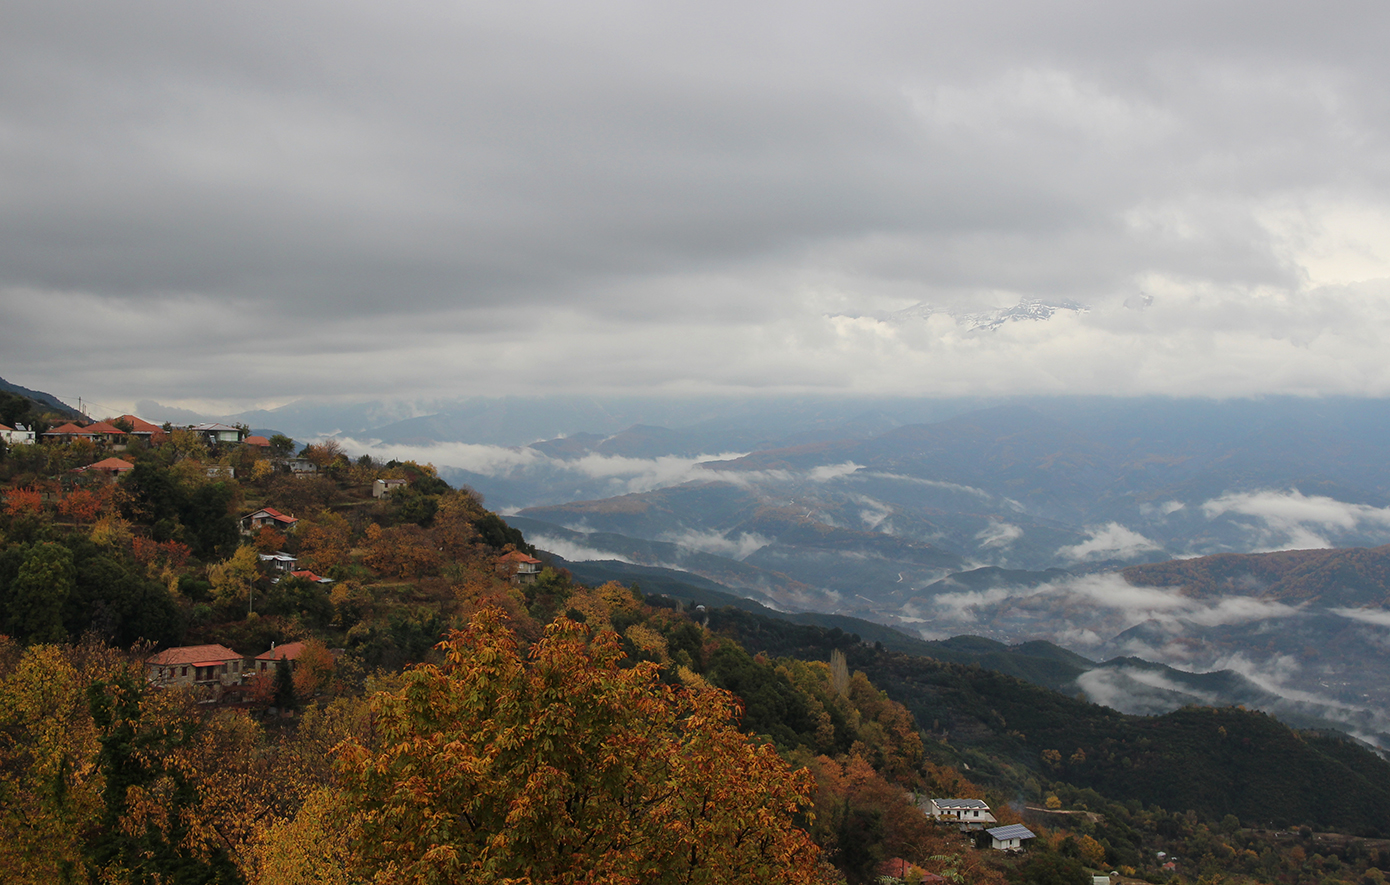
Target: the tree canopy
pixel 562 766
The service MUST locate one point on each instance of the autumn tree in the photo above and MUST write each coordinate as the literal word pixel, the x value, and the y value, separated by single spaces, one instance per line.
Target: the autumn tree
pixel 149 829
pixel 323 453
pixel 313 669
pixel 559 766
pixel 401 551
pixel 324 541
pixel 232 579
pixel 46 739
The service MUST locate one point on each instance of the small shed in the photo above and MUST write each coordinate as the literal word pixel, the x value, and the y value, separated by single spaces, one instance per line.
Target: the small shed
pixel 383 487
pixel 1010 838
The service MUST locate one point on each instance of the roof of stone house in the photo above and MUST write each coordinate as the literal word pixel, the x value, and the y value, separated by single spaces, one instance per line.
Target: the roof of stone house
pixel 194 655
pixel 289 651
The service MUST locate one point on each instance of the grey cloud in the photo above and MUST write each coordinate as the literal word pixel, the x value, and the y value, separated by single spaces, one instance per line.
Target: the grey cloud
pixel 428 198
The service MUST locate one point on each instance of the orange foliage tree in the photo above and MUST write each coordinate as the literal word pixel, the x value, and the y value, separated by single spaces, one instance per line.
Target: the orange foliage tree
pixel 559 766
pixel 402 551
pixel 82 505
pixel 23 502
pixel 324 542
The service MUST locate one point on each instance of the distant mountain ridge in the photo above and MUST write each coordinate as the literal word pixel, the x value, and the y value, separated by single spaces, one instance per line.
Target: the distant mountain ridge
pixel 1351 577
pixel 47 400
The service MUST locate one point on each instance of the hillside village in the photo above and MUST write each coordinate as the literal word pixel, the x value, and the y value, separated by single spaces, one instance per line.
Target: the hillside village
pixel 260 611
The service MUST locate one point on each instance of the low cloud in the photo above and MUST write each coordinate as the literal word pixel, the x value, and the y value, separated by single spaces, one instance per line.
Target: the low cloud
pixel 1087 609
pixel 830 472
pixel 1290 520
pixel 1167 508
pixel 717 543
pixel 1378 617
pixel 999 534
pixel 1111 541
pixel 574 552
pixel 936 484
pixel 1115 687
pixel 619 475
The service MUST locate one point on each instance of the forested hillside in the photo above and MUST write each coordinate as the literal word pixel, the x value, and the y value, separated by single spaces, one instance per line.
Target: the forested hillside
pixel 447 719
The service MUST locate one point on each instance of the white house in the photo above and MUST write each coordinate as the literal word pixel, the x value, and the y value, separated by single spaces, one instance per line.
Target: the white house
pixel 218 433
pixel 1009 838
pixel 971 814
pixel 279 561
pixel 16 435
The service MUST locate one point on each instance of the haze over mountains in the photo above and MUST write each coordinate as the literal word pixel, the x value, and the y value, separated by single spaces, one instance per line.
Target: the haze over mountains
pixel 1011 519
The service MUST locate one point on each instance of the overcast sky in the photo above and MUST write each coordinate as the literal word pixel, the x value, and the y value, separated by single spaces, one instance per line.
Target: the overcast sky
pixel 222 205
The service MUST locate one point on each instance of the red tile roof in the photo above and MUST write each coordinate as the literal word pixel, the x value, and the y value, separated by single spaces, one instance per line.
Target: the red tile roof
pixel 256 441
pixel 69 428
pixel 318 579
pixel 6 427
pixel 140 425
pixel 112 464
pixel 289 651
pixel 194 655
pixel 273 514
pixel 103 427
pixel 518 556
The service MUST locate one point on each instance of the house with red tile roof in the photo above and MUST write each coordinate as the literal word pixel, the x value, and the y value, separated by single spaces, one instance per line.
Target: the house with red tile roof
pixel 196 666
pixel 259 442
pixel 112 466
pixel 519 567
pixel 267 517
pixel 106 433
pixel 142 429
pixel 66 433
pixel 99 432
pixel 267 660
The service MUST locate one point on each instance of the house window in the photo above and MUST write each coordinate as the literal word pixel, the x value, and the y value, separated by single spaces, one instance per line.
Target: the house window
pixel 185 672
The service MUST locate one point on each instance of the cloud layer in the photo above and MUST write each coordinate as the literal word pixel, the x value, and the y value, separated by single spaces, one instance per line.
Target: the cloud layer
pixel 1290 520
pixel 419 199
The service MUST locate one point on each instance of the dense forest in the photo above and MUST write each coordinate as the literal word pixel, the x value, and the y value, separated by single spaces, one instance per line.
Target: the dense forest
pixel 446 721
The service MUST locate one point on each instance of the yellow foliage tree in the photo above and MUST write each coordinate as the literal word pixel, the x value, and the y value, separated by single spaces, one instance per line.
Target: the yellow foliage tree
pixel 232 578
pixel 46 745
pixel 562 767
